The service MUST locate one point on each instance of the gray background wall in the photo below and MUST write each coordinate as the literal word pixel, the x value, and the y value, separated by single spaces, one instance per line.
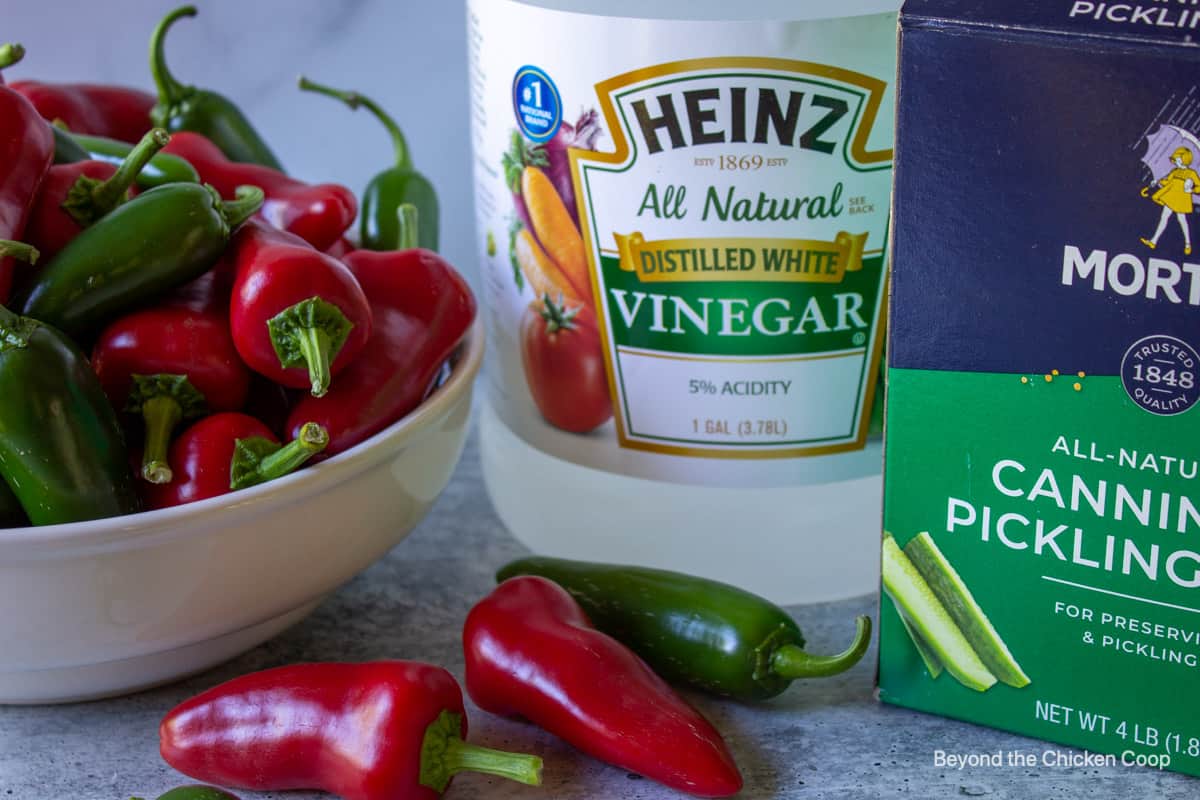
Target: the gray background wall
pixel 409 55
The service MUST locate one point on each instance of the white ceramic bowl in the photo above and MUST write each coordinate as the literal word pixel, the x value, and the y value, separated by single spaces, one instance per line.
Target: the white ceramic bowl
pixel 99 608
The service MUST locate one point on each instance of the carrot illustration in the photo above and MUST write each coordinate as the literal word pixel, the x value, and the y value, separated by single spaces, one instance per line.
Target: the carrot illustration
pixel 544 276
pixel 555 229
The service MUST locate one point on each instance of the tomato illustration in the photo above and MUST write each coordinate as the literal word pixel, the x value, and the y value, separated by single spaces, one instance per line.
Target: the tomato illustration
pixel 564 365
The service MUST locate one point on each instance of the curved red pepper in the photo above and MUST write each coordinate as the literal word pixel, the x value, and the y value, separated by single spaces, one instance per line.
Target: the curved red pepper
pixel 117 112
pixel 531 652
pixel 383 730
pixel 291 304
pixel 75 195
pixel 319 213
pixel 422 308
pixel 26 150
pixel 185 366
pixel 225 452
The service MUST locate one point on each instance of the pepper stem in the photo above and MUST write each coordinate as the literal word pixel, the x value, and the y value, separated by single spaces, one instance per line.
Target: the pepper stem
pixel 791 662
pixel 257 460
pixel 315 346
pixel 409 226
pixel 354 100
pixel 10 53
pixel 311 440
pixel 247 201
pixel 19 250
pixel 89 200
pixel 444 754
pixel 310 334
pixel 161 414
pixel 170 91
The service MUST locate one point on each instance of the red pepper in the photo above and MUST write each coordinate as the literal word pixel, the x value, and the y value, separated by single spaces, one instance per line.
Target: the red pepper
pixel 298 316
pixel 531 652
pixel 383 730
pixel 340 249
pixel 75 195
pixel 26 150
pixel 226 452
pixel 421 308
pixel 116 112
pixel 319 214
pixel 169 364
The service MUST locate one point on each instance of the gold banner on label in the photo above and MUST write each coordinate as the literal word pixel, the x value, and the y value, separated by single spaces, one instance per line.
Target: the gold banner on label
pixel 734 259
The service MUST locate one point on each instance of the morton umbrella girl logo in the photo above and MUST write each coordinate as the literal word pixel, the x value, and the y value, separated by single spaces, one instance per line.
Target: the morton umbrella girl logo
pixel 1169 156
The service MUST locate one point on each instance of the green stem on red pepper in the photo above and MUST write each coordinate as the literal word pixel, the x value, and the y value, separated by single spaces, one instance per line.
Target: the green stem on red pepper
pixel 258 460
pixel 310 334
pixel 19 250
pixel 163 401
pixel 10 53
pixel 444 754
pixel 90 199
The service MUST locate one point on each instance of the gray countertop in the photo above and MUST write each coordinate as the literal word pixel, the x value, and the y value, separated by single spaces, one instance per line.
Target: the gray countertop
pixel 822 739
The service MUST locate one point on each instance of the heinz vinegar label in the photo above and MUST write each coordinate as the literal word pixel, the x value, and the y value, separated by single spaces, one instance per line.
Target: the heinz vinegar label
pixel 684 229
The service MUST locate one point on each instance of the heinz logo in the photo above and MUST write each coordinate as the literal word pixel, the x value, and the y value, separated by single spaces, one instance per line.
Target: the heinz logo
pixel 758 115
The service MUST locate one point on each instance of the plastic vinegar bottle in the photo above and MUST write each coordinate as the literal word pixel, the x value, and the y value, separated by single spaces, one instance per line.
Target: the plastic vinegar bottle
pixel 682 210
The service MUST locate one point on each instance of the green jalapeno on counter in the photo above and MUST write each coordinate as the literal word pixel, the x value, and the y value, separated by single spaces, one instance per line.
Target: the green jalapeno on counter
pixel 61 450
pixel 160 239
pixel 694 631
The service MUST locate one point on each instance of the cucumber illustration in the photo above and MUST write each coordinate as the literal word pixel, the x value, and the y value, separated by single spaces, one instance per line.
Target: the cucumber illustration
pixel 913 597
pixel 968 616
pixel 932 663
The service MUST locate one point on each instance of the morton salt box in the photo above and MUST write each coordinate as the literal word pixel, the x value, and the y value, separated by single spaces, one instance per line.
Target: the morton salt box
pixel 1041 560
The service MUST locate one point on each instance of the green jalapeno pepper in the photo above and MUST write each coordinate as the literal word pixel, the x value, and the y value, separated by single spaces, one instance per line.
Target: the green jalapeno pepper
pixel 61 449
pixel 379 228
pixel 695 631
pixel 186 108
pixel 157 241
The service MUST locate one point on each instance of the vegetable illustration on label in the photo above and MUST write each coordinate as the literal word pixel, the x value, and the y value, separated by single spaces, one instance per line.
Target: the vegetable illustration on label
pixel 564 365
pixel 947 626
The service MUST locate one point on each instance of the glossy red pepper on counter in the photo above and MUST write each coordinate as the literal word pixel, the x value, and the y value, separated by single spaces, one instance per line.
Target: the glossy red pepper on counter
pixel 298 316
pixel 75 195
pixel 169 364
pixel 26 150
pixel 531 652
pixel 383 730
pixel 226 452
pixel 117 112
pixel 319 213
pixel 421 310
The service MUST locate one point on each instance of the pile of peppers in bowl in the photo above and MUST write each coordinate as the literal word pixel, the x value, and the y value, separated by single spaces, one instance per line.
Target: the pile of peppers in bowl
pixel 179 318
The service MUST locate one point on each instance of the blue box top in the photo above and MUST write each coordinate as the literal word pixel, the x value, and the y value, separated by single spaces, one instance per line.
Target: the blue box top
pixel 1172 22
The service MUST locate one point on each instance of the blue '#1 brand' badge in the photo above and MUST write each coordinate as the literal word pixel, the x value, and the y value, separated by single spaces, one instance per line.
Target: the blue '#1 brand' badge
pixel 536 104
